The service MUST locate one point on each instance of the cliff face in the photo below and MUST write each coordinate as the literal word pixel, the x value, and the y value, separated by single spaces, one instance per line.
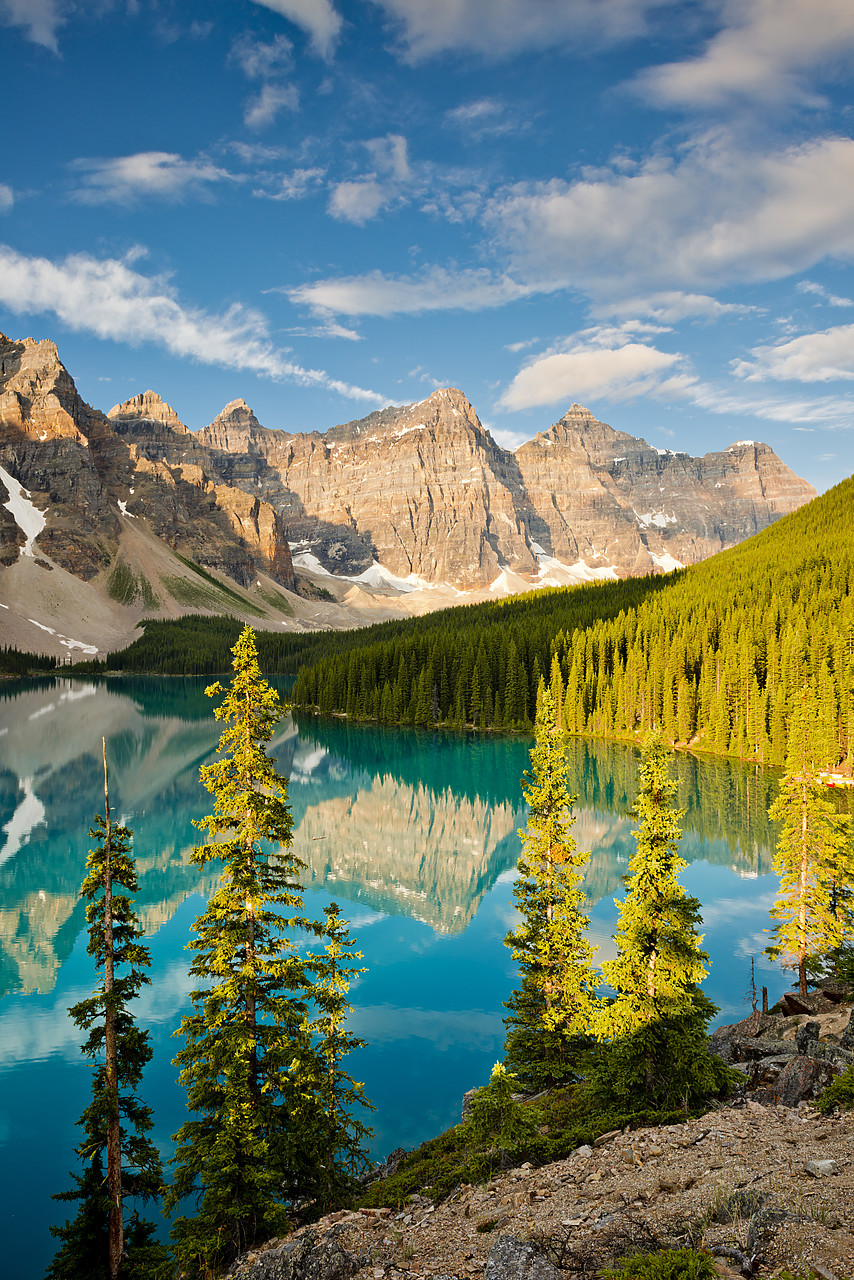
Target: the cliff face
pixel 89 474
pixel 609 497
pixel 179 488
pixel 425 491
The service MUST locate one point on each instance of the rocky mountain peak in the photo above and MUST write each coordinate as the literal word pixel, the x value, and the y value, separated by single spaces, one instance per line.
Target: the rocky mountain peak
pixel 147 407
pixel 236 414
pixel 38 392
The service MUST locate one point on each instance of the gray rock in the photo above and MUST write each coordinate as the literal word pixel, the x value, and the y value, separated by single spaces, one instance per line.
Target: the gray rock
pixel 512 1259
pixel 751 1050
pixel 800 1079
pixel 806 1035
pixel 821 1168
pixel 847 1038
pixel 468 1099
pixel 305 1258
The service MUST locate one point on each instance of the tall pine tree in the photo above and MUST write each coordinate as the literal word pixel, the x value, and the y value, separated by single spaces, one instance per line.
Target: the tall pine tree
pixel 331 1096
pixel 120 1160
pixel 814 857
pixel 249 1062
pixel 550 1012
pixel 656 1025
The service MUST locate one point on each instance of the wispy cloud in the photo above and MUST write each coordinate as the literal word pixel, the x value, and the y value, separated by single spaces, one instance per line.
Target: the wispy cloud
pixel 159 174
pixel 7 197
pixel 360 200
pixel 671 306
pixel 318 18
pixel 292 186
pixel 269 62
pixel 108 298
pixel 832 299
pixel 812 357
pixel 484 118
pixel 40 19
pixel 436 289
pixel 497 30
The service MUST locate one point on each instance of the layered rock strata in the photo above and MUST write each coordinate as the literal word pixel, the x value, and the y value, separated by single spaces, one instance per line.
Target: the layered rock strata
pixel 89 475
pixel 426 492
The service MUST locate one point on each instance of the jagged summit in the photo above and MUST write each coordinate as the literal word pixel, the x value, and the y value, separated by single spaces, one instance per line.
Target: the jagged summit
pixel 147 407
pixel 236 413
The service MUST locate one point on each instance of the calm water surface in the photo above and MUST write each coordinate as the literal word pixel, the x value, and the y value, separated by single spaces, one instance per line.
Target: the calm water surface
pixel 414 835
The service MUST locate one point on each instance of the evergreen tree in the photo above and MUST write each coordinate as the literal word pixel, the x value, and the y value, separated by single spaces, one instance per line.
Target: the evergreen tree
pixel 338 1134
pixel 116 1123
pixel 659 961
pixel 245 1062
pixel 551 1010
pixel 657 1023
pixel 814 858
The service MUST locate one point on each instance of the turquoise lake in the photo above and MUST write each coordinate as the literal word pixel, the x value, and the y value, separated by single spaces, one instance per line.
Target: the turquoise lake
pixel 413 834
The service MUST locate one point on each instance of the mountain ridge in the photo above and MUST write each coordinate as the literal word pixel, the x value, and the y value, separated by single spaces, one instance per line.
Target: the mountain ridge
pixel 410 508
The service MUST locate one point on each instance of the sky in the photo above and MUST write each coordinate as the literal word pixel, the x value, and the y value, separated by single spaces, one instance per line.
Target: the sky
pixel 327 206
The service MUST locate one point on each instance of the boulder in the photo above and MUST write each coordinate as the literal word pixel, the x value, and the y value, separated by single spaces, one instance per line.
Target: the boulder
pixel 512 1259
pixel 304 1257
pixel 800 1079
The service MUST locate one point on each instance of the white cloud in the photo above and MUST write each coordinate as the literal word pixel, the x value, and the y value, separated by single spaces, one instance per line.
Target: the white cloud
pixel 41 19
pixel 498 28
pixel 106 297
pixel 263 110
pixel 359 201
pixel 126 179
pixel 7 198
pixel 828 412
pixel 832 299
pixel 362 198
pixel 390 155
pixel 599 362
pixel 766 50
pixel 294 186
pixel 262 61
pixel 317 17
pixel 267 62
pixel 375 294
pixel 484 118
pixel 813 357
pixel 719 214
pixel 671 306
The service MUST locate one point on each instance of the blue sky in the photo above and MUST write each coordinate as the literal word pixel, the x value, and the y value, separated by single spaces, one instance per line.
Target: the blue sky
pixel 324 206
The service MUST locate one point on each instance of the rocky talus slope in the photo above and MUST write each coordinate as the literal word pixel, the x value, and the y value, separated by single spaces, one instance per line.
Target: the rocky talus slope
pixel 768 1187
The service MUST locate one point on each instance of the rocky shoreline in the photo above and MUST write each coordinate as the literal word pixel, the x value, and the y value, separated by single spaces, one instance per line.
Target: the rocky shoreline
pixel 764 1181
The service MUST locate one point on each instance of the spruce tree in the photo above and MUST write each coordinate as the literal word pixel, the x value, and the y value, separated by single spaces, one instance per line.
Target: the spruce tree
pixel 551 1010
pixel 249 1064
pixel 330 1095
pixel 656 1025
pixel 814 857
pixel 120 1160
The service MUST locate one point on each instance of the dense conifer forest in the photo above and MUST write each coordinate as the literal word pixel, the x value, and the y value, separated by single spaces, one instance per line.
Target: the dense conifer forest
pixel 715 654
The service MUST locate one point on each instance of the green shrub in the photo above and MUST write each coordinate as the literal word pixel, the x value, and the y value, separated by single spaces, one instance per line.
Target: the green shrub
pixel 497 1120
pixel 565 1119
pixel 670 1264
pixel 839 1093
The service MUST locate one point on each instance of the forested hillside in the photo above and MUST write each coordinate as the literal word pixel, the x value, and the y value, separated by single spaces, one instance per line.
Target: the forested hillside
pixel 715 654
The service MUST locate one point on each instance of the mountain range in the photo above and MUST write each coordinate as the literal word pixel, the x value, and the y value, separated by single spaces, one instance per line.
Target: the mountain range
pixel 114 517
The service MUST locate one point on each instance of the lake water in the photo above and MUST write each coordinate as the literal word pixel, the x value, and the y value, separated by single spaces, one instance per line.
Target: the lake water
pixel 414 834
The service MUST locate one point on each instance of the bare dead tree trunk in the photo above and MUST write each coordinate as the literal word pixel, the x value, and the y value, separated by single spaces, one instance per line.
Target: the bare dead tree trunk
pixel 114 1143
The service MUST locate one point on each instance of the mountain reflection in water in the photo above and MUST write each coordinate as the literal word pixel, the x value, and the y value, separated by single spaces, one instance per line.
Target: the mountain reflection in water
pixel 405 822
pixel 413 833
